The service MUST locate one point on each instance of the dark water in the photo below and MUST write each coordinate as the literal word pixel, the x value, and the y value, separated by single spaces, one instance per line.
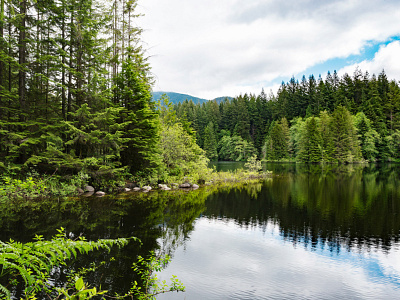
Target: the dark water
pixel 309 232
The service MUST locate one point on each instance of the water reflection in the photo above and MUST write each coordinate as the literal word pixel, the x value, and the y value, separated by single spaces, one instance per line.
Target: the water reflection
pixel 224 260
pixel 311 232
pixel 337 206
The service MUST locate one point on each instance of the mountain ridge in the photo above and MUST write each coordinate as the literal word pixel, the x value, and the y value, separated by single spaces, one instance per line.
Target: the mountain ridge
pixel 175 98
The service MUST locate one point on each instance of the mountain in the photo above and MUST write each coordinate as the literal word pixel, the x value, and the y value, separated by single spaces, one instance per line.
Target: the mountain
pixel 175 98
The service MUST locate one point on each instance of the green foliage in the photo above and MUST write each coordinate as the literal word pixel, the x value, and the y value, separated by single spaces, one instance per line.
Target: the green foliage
pixel 310 142
pixel 31 263
pixel 235 148
pixel 347 148
pixel 132 91
pixel 255 119
pixel 151 286
pixel 36 185
pixel 210 142
pixel 278 140
pixel 369 137
pixel 181 156
pixel 253 164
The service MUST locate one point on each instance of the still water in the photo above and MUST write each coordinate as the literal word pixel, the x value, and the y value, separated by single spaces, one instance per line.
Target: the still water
pixel 308 232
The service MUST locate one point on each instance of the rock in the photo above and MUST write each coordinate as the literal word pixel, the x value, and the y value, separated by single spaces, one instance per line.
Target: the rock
pixel 88 194
pixel 195 186
pixel 146 188
pixel 136 189
pixel 130 185
pixel 186 185
pixel 100 194
pixel 127 190
pixel 164 187
pixel 89 188
pixel 80 191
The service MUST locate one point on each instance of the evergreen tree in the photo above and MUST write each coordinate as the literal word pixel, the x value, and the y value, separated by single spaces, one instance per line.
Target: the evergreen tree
pixel 210 142
pixel 346 143
pixel 369 137
pixel 242 126
pixel 142 131
pixel 310 142
pixel 327 142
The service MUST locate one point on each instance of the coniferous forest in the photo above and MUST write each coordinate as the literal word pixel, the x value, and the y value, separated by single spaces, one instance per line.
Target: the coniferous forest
pixel 75 87
pixel 75 93
pixel 349 119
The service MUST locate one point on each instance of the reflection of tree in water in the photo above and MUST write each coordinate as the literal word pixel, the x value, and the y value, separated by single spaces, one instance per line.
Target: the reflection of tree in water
pixel 333 207
pixel 336 207
pixel 152 217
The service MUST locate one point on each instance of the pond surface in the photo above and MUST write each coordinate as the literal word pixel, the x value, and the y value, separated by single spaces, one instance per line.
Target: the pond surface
pixel 308 232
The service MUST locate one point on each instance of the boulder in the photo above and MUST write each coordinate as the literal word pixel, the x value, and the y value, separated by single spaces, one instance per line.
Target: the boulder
pixel 136 189
pixel 146 188
pixel 164 187
pixel 89 189
pixel 87 194
pixel 185 185
pixel 100 194
pixel 195 186
pixel 127 190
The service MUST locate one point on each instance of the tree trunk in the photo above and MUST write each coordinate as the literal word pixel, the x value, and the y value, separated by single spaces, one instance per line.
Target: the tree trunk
pixel 22 56
pixel 2 49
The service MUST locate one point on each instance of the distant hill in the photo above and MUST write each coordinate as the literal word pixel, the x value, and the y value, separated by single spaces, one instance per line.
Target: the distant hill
pixel 175 98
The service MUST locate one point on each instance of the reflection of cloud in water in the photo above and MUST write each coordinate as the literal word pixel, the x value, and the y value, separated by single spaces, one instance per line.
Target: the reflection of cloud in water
pixel 224 261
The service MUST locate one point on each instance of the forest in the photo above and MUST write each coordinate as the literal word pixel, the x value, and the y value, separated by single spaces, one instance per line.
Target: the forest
pixel 337 119
pixel 75 96
pixel 75 99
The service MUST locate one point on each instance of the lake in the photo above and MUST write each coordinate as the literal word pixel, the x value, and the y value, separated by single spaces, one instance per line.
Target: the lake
pixel 308 232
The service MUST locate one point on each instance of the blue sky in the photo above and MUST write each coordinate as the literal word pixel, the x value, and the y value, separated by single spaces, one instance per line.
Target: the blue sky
pixel 227 47
pixel 338 63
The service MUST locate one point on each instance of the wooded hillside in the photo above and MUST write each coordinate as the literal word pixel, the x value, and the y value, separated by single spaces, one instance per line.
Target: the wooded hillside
pixel 347 119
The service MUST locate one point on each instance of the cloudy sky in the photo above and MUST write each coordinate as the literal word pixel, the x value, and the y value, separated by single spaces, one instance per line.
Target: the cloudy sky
pixel 213 48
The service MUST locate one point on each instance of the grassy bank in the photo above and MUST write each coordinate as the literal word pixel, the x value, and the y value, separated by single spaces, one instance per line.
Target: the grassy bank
pixel 35 185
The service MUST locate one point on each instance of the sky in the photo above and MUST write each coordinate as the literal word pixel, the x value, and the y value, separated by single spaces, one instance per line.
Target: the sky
pixel 215 48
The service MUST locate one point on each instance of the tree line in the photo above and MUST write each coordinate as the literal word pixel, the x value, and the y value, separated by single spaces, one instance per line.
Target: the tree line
pixel 75 90
pixel 348 119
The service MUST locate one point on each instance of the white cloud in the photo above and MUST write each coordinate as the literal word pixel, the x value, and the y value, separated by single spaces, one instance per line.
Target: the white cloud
pixel 387 58
pixel 212 48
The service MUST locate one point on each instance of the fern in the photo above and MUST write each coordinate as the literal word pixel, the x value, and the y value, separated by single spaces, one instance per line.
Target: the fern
pixel 34 261
pixel 5 292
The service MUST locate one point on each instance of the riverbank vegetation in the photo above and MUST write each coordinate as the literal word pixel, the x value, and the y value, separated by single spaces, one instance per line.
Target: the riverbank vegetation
pixel 336 120
pixel 168 218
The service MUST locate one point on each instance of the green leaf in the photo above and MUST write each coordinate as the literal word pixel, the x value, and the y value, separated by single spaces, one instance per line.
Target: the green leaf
pixel 79 284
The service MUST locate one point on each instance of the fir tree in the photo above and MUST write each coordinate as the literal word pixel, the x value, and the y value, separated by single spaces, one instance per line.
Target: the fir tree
pixel 210 142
